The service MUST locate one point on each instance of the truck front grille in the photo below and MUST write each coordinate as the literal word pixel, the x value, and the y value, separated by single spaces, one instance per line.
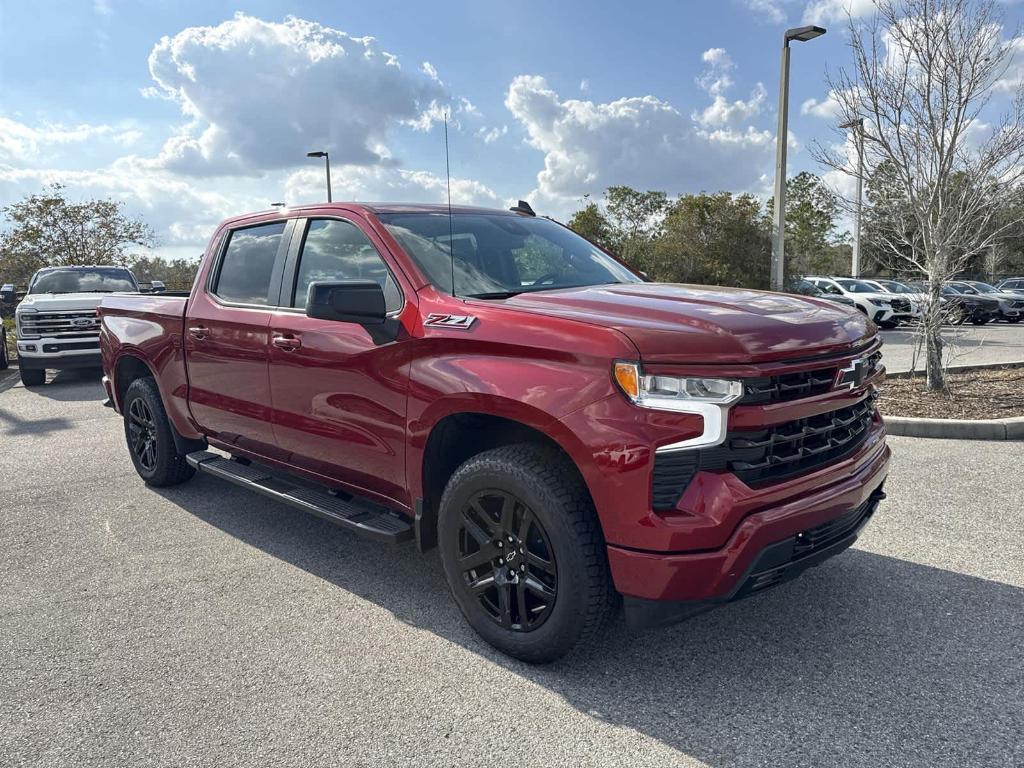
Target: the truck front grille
pixel 900 305
pixel 764 390
pixel 765 456
pixel 79 323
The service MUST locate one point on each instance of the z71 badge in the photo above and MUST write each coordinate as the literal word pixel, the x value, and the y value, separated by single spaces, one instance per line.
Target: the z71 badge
pixel 437 320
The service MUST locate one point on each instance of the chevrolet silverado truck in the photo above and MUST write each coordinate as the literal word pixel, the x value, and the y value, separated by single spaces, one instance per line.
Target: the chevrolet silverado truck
pixel 56 324
pixel 570 436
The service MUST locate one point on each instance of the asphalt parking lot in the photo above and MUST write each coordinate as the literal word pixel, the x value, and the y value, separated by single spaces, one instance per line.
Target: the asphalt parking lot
pixel 966 345
pixel 203 625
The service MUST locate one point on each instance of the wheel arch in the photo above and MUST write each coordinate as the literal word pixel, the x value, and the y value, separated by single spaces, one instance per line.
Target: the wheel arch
pixel 460 434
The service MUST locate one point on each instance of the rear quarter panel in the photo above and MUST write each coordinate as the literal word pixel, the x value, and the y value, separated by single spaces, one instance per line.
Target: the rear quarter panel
pixel 150 328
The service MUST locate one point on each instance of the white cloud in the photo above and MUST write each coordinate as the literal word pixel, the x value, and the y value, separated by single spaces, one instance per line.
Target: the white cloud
pixel 824 11
pixel 261 94
pixel 180 212
pixel 491 135
pixel 102 7
pixel 827 109
pixel 771 9
pixel 21 142
pixel 716 80
pixel 641 141
pixel 360 182
pixel 584 86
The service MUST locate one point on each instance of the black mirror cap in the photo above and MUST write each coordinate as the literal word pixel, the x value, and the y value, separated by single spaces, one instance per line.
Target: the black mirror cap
pixel 347 301
pixel 157 286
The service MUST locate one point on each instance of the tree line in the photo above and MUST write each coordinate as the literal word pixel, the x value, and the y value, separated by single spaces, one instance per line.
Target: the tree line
pixel 49 230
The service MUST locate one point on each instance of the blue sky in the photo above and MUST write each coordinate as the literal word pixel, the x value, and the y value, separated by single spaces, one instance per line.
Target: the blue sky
pixel 193 111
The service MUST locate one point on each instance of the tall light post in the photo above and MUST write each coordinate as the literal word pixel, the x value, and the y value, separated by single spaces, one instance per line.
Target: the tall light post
pixel 857 126
pixel 802 35
pixel 327 159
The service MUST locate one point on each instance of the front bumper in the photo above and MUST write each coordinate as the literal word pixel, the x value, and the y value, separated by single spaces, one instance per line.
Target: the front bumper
pixel 58 362
pixel 718 574
pixel 775 564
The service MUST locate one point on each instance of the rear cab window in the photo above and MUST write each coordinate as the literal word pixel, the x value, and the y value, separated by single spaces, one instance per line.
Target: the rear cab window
pixel 246 268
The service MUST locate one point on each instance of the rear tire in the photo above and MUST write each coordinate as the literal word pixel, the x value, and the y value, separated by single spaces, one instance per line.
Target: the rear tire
pixel 4 360
pixel 539 583
pixel 32 377
pixel 150 439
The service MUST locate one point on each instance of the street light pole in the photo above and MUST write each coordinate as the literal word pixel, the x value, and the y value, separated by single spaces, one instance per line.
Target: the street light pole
pixel 327 160
pixel 857 126
pixel 800 34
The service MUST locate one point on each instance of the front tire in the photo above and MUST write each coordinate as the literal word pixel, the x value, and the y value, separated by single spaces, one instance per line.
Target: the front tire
pixel 523 552
pixel 150 439
pixel 32 377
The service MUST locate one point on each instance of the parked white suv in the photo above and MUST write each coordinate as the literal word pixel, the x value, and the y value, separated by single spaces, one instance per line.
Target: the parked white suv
pixel 56 323
pixel 884 309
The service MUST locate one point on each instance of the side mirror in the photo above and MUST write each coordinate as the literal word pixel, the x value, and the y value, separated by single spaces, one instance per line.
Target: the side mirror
pixel 347 301
pixel 7 294
pixel 157 286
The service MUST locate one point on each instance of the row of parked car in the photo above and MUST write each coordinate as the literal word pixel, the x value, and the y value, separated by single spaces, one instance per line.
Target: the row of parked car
pixel 891 302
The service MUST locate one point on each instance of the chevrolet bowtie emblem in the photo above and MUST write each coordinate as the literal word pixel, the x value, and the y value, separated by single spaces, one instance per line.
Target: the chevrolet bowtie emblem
pixel 853 375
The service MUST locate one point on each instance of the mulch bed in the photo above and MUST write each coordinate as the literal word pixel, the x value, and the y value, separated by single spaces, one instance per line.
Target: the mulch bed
pixel 989 394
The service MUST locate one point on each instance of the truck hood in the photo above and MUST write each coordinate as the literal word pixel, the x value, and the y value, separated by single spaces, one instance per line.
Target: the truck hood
pixel 53 302
pixel 699 324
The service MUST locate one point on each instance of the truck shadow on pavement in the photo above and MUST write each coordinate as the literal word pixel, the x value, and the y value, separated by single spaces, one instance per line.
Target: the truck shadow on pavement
pixel 866 660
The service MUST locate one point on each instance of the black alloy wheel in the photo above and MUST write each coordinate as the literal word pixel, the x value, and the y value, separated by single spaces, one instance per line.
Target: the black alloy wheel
pixel 142 434
pixel 507 560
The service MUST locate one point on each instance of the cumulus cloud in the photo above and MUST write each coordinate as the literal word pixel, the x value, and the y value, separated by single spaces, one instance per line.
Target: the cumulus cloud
pixel 771 9
pixel 641 141
pixel 827 109
pixel 716 80
pixel 182 213
pixel 491 135
pixel 260 94
pixel 824 11
pixel 360 182
pixel 21 141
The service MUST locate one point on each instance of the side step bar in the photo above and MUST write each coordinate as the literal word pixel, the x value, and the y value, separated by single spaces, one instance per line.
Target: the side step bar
pixel 365 518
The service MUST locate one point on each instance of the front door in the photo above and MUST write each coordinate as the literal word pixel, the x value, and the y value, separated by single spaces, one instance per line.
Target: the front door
pixel 226 338
pixel 339 397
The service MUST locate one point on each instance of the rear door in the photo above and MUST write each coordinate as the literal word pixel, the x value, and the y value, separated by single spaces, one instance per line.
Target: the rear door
pixel 339 396
pixel 227 335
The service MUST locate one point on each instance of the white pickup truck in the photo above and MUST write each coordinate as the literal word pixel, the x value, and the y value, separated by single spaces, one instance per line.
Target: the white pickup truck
pixel 56 323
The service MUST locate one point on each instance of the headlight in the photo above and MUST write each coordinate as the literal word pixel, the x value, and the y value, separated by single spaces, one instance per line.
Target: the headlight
pixel 708 398
pixel 674 393
pixel 879 302
pixel 19 316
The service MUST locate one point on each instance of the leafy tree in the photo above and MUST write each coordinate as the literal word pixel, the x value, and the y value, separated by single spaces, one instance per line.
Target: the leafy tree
pixel 593 225
pixel 635 219
pixel 811 238
pixel 176 274
pixel 716 239
pixel 49 230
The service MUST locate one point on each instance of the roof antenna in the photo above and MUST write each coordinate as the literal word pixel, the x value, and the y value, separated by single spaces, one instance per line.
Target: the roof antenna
pixel 448 179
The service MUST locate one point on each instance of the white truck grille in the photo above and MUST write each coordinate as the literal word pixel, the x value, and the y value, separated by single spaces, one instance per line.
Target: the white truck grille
pixel 78 323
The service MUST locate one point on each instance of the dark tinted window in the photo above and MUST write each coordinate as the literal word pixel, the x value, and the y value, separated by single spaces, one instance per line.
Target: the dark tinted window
pixel 338 250
pixel 98 280
pixel 248 263
pixel 500 254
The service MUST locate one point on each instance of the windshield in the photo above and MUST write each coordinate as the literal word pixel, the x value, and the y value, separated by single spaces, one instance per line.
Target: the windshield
pixel 857 286
pixel 806 288
pixel 893 287
pixel 984 287
pixel 93 280
pixel 498 256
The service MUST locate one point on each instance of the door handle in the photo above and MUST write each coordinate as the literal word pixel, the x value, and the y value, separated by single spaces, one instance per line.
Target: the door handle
pixel 287 343
pixel 197 332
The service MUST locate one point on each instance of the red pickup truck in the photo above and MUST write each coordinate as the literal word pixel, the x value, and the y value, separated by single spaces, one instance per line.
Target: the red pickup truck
pixel 569 435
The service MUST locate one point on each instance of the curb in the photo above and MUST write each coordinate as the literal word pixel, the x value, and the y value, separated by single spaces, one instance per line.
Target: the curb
pixel 956 369
pixel 956 429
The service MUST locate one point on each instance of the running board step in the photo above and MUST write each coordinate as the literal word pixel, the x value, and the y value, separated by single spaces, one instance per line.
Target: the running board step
pixel 365 518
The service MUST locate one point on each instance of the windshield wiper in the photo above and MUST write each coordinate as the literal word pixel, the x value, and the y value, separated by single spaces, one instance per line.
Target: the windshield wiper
pixel 492 295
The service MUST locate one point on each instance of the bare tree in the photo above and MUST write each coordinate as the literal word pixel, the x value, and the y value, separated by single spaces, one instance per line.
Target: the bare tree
pixel 923 77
